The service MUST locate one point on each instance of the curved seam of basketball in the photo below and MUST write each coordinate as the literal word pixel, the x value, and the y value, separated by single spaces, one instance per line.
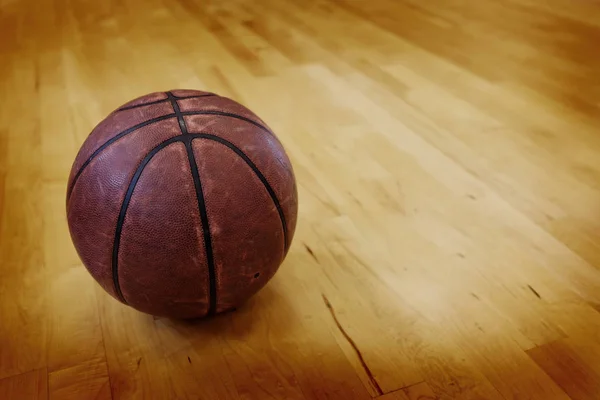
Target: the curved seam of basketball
pixel 257 172
pixel 125 206
pixel 144 124
pixel 205 230
pixel 111 141
pixel 133 107
pixel 232 115
pixel 212 299
pixel 201 203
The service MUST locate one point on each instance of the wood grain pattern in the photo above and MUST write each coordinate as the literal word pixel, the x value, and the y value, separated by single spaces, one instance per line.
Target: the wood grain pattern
pixel 446 154
pixel 86 380
pixel 32 385
pixel 420 391
pixel 575 369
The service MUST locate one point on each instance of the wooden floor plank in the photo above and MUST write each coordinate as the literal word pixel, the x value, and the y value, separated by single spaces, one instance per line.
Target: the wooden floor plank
pixel 566 366
pixel 419 391
pixel 32 385
pixel 446 156
pixel 23 308
pixel 87 380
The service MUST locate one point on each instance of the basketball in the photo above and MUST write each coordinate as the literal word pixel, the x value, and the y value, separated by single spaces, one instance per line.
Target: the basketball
pixel 182 204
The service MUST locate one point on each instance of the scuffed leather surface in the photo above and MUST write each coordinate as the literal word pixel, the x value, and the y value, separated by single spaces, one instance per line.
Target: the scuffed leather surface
pixel 115 124
pixel 163 267
pixel 219 103
pixel 162 261
pixel 93 208
pixel 187 92
pixel 244 224
pixel 266 153
pixel 148 98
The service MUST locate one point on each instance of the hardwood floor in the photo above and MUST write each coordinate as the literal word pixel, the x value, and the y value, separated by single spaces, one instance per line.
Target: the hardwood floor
pixel 448 163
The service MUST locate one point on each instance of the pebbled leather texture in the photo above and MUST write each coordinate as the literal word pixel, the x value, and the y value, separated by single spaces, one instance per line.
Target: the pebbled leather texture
pixel 161 243
pixel 219 103
pixel 148 98
pixel 115 123
pixel 140 196
pixel 94 204
pixel 265 151
pixel 246 231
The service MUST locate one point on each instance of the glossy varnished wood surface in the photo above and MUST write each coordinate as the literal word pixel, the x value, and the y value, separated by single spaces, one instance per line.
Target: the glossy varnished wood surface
pixel 448 159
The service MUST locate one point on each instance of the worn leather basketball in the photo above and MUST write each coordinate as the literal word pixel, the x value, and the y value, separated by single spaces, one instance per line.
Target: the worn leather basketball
pixel 182 204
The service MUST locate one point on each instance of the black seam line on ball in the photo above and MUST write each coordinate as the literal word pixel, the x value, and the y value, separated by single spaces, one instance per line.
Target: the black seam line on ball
pixel 143 105
pixel 205 228
pixel 123 211
pixel 257 172
pixel 164 101
pixel 111 141
pixel 226 114
pixel 201 207
pixel 145 123
pixel 180 119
